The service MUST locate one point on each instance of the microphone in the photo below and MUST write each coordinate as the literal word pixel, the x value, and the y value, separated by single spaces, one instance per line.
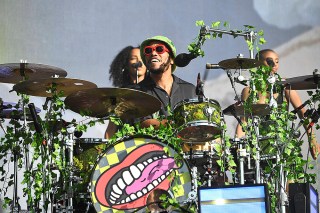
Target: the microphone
pixel 137 65
pixel 36 123
pixel 270 62
pixel 183 59
pixel 199 87
pixel 213 66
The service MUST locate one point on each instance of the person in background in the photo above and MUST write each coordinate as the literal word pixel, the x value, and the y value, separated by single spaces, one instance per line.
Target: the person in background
pixel 158 54
pixel 270 58
pixel 126 71
pixel 126 68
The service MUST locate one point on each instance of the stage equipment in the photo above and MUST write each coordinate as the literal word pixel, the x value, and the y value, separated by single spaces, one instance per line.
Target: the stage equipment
pixel 234 198
pixel 306 82
pixel 121 102
pixel 198 120
pixel 239 63
pixel 40 87
pixel 10 110
pixel 133 173
pixel 239 110
pixel 15 72
pixel 303 198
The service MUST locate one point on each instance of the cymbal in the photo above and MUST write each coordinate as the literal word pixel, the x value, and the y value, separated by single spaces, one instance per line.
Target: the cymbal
pixel 39 87
pixel 10 73
pixel 122 102
pixel 239 63
pixel 238 110
pixel 10 110
pixel 302 82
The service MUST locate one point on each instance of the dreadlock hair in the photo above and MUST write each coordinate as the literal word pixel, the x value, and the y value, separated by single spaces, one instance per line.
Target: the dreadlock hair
pixel 119 70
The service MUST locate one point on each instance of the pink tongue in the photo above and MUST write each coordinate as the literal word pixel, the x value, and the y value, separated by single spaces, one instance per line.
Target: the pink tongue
pixel 150 173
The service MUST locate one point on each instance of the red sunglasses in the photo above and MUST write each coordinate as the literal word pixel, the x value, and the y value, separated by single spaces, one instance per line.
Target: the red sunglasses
pixel 159 48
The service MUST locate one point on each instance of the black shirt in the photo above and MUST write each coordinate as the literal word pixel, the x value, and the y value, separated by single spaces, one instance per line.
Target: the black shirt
pixel 181 90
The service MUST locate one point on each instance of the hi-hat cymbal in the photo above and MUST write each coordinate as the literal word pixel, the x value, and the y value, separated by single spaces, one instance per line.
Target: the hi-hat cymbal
pixel 10 110
pixel 239 63
pixel 239 110
pixel 11 73
pixel 122 102
pixel 39 87
pixel 302 82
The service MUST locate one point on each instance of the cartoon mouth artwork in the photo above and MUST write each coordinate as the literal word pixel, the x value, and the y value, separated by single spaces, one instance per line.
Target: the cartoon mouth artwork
pixel 128 184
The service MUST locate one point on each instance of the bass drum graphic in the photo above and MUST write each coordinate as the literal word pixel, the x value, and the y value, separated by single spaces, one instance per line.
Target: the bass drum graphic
pixel 132 174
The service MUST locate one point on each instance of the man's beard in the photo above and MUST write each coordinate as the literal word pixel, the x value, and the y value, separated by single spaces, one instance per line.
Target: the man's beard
pixel 163 67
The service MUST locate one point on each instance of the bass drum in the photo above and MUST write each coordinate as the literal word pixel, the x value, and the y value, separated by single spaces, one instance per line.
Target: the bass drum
pixel 132 174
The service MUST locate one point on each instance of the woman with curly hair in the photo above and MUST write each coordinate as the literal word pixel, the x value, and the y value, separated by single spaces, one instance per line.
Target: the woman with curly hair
pixel 126 70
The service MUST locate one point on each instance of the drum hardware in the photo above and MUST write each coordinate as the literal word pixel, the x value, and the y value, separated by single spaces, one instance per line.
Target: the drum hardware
pixel 255 110
pixel 121 102
pixel 17 72
pixel 39 87
pixel 239 63
pixel 208 111
pixel 272 103
pixel 306 82
pixel 248 35
pixel 67 197
pixel 17 113
pixel 10 110
pixel 237 98
pixel 197 120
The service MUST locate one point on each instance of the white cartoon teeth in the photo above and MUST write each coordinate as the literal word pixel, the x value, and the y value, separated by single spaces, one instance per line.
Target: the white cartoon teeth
pixel 129 176
pixel 135 171
pixel 140 166
pixel 121 184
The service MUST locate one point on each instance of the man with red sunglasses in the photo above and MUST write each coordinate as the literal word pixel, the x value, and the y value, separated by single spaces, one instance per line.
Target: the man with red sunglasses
pixel 158 54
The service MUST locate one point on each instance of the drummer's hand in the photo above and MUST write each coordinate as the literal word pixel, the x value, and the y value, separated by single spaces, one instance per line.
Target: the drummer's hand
pixel 314 146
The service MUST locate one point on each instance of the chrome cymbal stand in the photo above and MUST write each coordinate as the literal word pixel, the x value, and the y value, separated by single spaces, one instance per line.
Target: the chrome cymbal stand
pixel 255 122
pixel 15 207
pixel 241 154
pixel 69 146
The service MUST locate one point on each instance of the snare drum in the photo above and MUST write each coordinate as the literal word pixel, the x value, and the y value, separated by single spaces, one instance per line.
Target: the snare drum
pixel 198 120
pixel 132 174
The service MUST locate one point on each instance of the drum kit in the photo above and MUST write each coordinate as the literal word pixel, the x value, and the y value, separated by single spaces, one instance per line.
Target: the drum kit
pixel 132 174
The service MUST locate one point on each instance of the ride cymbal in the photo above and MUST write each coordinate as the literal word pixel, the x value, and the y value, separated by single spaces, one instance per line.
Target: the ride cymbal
pixel 302 82
pixel 40 87
pixel 122 102
pixel 12 72
pixel 239 63
pixel 239 110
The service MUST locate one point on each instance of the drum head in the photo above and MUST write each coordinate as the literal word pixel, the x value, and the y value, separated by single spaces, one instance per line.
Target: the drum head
pixel 131 176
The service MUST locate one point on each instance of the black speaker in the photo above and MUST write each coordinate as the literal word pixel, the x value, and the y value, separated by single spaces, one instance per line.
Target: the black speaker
pixel 303 198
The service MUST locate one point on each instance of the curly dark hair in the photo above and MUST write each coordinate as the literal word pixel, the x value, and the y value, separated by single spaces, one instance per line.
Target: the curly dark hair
pixel 119 70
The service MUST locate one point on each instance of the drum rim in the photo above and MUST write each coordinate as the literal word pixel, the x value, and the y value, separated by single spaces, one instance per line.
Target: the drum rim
pixel 92 140
pixel 196 100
